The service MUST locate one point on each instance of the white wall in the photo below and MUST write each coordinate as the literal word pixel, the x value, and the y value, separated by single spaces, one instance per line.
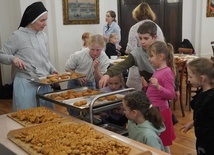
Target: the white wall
pixel 197 27
pixel 9 19
pixel 65 39
pixel 68 37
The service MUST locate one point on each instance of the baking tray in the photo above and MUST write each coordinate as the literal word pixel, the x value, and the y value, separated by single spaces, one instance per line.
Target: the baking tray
pixel 97 103
pixel 77 90
pixel 115 128
pixel 67 76
pixel 45 130
pixel 39 115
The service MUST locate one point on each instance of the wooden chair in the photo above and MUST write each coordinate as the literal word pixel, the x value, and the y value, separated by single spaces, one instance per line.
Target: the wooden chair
pixel 188 85
pixel 189 92
pixel 185 51
pixel 212 45
pixel 181 66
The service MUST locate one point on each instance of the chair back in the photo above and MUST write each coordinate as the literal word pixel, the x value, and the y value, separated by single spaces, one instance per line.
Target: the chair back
pixel 181 66
pixel 212 45
pixel 185 51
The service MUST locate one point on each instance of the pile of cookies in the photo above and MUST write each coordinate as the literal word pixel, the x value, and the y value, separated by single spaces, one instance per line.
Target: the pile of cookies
pixel 70 94
pixel 70 139
pixel 80 103
pixel 60 77
pixel 111 98
pixel 34 116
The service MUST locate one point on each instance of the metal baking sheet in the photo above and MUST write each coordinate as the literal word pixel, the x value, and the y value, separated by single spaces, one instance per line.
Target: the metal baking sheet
pixel 79 89
pixel 89 99
pixel 44 80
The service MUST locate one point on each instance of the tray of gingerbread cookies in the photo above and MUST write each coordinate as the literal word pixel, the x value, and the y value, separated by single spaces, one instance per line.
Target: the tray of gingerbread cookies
pixel 74 93
pixel 38 115
pixel 84 102
pixel 56 78
pixel 68 137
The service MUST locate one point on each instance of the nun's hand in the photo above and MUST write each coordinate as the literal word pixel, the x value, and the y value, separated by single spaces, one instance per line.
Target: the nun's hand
pixel 19 63
pixel 55 72
pixel 83 81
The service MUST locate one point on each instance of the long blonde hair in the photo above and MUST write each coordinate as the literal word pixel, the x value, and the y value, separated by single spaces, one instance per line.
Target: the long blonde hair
pixel 96 39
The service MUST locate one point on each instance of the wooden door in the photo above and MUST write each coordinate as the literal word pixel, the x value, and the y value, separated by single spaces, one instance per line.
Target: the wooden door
pixel 169 18
pixel 173 23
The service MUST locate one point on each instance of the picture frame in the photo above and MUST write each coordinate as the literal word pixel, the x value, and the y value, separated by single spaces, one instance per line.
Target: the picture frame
pixel 210 8
pixel 81 12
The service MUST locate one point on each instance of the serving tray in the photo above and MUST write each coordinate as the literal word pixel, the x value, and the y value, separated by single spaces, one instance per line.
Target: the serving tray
pixel 101 101
pixel 69 137
pixel 56 78
pixel 34 116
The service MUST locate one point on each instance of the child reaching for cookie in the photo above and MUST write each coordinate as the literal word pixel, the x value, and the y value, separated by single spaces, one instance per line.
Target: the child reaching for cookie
pixel 115 115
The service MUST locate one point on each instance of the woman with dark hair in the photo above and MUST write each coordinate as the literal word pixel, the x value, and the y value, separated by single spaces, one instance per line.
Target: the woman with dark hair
pixel 111 27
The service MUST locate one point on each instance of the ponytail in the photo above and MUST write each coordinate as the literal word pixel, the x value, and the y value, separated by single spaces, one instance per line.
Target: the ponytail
pixel 170 61
pixel 153 115
pixel 138 100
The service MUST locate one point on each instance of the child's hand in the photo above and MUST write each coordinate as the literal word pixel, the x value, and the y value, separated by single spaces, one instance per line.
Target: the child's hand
pixel 118 53
pixel 119 111
pixel 144 82
pixel 119 47
pixel 154 82
pixel 187 127
pixel 96 63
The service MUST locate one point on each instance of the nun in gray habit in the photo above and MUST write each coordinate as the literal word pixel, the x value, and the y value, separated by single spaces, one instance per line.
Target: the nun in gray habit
pixel 26 50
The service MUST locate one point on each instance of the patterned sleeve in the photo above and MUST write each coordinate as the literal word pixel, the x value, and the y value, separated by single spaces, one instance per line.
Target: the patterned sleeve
pixel 132 40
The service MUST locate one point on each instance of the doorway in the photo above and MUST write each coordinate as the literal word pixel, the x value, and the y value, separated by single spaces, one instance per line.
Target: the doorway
pixel 169 18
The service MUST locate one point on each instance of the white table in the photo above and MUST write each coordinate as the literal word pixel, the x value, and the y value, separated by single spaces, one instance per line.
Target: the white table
pixel 7 124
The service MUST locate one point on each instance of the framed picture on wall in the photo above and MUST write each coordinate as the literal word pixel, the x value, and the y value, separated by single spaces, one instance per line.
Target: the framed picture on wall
pixel 81 12
pixel 210 8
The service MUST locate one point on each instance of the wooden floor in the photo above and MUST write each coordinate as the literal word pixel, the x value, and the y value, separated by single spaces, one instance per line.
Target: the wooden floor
pixel 184 144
